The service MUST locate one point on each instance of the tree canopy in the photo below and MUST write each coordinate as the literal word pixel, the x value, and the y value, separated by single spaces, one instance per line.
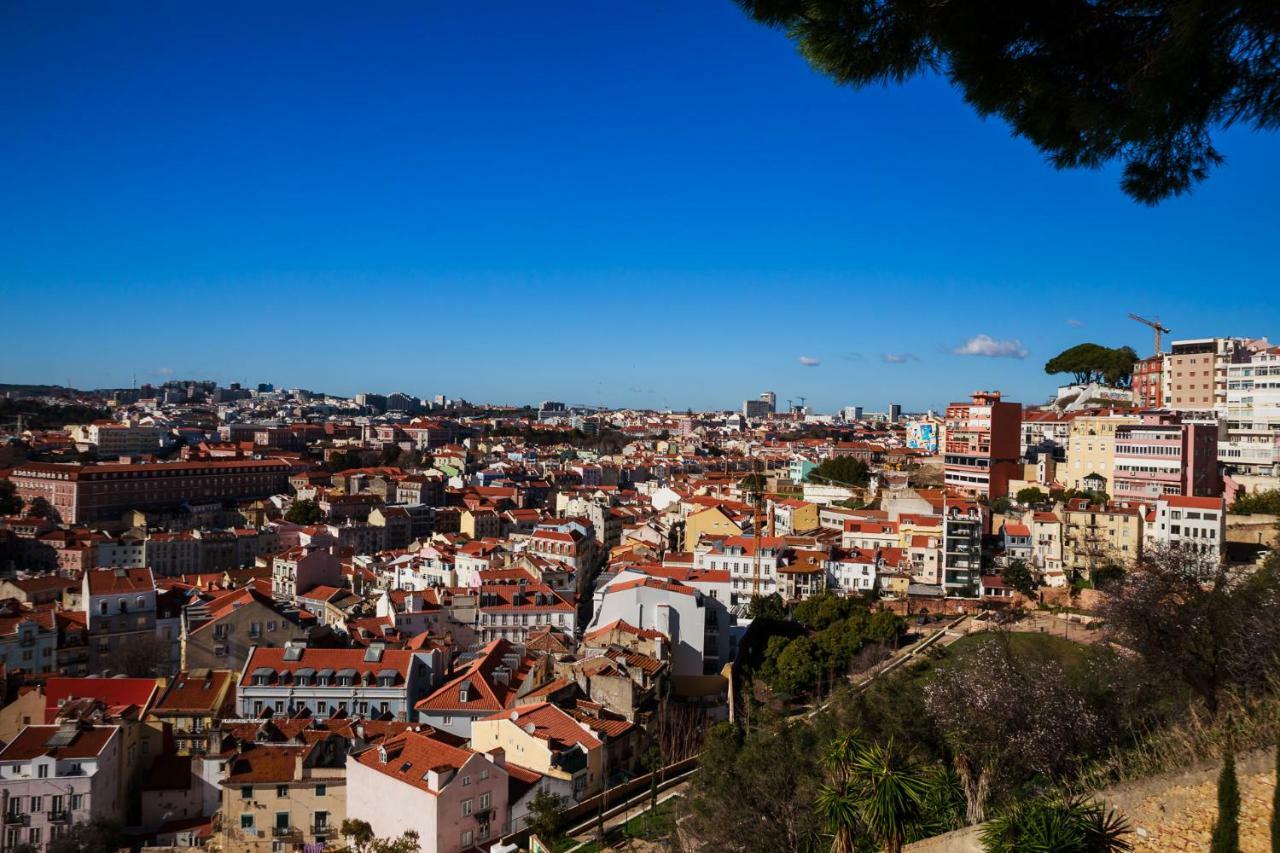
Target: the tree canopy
pixel 1095 363
pixel 841 471
pixel 304 512
pixel 1139 83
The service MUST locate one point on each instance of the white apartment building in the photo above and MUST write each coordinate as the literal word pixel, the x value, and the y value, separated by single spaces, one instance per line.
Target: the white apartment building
pixel 1251 446
pixel 737 556
pixel 1189 522
pixel 55 777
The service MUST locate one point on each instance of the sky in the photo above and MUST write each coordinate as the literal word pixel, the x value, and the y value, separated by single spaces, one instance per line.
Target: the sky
pixel 653 204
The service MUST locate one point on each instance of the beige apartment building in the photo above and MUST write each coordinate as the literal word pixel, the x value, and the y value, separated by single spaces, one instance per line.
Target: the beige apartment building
pixel 1097 536
pixel 1091 448
pixel 1195 372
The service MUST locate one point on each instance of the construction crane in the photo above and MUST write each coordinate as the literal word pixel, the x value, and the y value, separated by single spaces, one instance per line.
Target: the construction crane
pixel 1155 325
pixel 757 523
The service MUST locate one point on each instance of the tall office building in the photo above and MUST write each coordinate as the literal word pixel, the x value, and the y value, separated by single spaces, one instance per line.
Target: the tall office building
pixel 895 413
pixel 982 443
pixel 771 400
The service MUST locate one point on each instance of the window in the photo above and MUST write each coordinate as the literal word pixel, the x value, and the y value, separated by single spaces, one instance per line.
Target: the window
pixel 282 791
pixel 42 772
pixel 466 838
pixel 484 801
pixel 466 806
pixel 466 780
pixel 77 802
pixel 34 836
pixel 321 790
pixel 246 792
pixel 322 818
pixel 246 821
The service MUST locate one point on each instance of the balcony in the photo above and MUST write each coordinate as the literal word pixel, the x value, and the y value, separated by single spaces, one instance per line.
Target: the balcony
pixel 17 819
pixel 321 832
pixel 286 832
pixel 63 816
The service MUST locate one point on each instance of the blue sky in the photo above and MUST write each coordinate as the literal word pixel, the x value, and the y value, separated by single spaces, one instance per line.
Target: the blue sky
pixel 651 204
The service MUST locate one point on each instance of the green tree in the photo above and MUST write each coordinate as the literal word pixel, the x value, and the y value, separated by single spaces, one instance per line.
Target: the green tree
pixel 304 512
pixel 1018 576
pixel 755 792
pixel 1030 496
pixel 40 508
pixel 841 471
pixel 93 836
pixel 1226 829
pixel 10 503
pixel 546 815
pixel 1094 363
pixel 1142 83
pixel 752 484
pixel 1267 503
pixel 1061 825
pixel 360 839
pixel 890 792
pixel 767 607
pixel 795 670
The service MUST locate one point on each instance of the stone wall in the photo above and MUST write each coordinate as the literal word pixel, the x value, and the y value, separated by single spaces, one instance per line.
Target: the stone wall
pixel 1170 812
pixel 1176 811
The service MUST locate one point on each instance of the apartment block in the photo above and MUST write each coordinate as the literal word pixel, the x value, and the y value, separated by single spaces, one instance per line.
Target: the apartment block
pixel 1251 446
pixel 981 450
pixel 1163 455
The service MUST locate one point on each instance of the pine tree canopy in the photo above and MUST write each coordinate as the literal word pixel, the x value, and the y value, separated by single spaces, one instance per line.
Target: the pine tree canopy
pixel 1141 82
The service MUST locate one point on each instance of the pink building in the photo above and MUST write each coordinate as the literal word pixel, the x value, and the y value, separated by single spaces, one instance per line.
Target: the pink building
pixel 1162 455
pixel 455 799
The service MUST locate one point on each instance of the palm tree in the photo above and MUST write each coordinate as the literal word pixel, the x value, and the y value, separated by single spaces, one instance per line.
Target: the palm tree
pixel 837 800
pixel 1056 825
pixel 891 790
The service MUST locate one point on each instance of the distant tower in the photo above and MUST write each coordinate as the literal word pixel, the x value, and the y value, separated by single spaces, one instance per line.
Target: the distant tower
pixel 771 399
pixel 895 413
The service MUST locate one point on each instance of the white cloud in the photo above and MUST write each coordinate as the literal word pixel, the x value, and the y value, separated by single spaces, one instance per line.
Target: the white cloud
pixel 163 371
pixel 899 357
pixel 989 347
pixel 1075 324
pixel 809 361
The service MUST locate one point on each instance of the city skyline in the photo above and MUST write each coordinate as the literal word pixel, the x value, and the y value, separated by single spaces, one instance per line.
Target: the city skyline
pixel 322 199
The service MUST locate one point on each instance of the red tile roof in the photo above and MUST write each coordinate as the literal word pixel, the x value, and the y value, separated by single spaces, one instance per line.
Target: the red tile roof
pixel 115 693
pixel 411 755
pixel 484 692
pixel 31 743
pixel 120 581
pixel 550 724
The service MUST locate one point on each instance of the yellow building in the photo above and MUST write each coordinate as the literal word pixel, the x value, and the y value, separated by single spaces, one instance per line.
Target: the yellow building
pixel 1091 447
pixel 712 521
pixel 278 795
pixel 544 738
pixel 1096 536
pixel 793 516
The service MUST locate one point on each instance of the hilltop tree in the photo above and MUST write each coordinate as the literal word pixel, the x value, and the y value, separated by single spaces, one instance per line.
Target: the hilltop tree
pixel 1095 363
pixel 1142 83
